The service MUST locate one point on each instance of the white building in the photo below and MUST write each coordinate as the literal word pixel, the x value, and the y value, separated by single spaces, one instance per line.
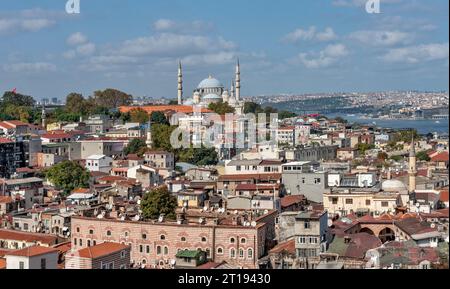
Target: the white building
pixel 35 257
pixel 99 163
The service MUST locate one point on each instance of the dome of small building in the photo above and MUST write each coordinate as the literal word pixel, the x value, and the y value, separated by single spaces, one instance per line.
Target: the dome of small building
pixel 210 82
pixel 393 186
pixel 188 102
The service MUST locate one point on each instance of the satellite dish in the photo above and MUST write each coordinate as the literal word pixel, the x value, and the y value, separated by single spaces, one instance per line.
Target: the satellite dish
pixel 173 262
pixel 138 202
pixel 137 218
pixel 253 224
pixel 205 208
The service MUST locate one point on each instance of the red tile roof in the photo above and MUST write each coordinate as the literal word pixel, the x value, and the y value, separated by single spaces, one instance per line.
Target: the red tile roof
pixel 32 251
pixel 27 237
pixel 5 140
pixel 288 246
pixel 101 250
pixel 163 108
pixel 6 199
pixel 441 157
pixel 2 264
pixel 56 135
pixel 291 200
pixel 444 196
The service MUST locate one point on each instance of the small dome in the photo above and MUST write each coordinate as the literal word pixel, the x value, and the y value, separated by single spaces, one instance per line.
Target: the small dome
pixel 210 82
pixel 188 102
pixel 393 186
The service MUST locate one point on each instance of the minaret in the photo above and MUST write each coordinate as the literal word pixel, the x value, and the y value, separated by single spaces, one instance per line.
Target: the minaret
pixel 149 141
pixel 412 167
pixel 232 88
pixel 180 84
pixel 238 81
pixel 44 117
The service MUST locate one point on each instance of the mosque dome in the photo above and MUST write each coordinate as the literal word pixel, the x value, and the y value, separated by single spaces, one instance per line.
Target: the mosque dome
pixel 210 82
pixel 393 186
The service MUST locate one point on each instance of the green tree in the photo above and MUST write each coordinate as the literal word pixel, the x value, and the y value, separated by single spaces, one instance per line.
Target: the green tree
pixel 286 114
pixel 159 201
pixel 139 115
pixel 173 102
pixel 161 137
pixel 252 107
pixel 341 120
pixel 423 156
pixel 76 104
pixel 363 147
pixel 67 176
pixel 111 98
pixel 159 117
pixel 17 99
pixel 199 156
pixel 136 146
pixel 221 108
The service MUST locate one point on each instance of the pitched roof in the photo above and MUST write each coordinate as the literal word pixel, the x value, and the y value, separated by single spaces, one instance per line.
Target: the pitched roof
pixel 250 177
pixel 287 246
pixel 32 251
pixel 163 108
pixel 27 237
pixel 443 197
pixel 2 263
pixel 101 250
pixel 291 200
pixel 441 157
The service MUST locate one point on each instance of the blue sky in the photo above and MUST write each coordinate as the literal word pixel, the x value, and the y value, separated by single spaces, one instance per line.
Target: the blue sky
pixel 286 46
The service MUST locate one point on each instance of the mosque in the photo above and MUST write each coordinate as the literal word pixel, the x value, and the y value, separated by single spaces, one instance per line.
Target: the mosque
pixel 211 90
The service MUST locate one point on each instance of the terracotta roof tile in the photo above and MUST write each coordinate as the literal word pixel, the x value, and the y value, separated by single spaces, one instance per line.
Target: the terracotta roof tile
pixel 101 250
pixel 32 251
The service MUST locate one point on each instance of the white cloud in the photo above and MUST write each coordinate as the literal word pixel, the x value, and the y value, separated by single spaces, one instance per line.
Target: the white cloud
pixel 26 21
pixel 360 3
pixel 82 46
pixel 382 38
pixel 29 67
pixel 310 34
pixel 76 38
pixel 325 58
pixel 419 53
pixel 167 25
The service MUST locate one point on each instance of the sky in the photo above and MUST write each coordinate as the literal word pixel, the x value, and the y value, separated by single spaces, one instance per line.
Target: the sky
pixel 285 46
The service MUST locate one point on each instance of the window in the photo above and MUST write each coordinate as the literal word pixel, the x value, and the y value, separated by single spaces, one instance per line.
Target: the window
pixel 317 180
pixel 367 202
pixel 123 267
pixel 108 233
pixel 147 249
pixel 334 201
pixel 220 251
pixel 141 249
pixel 88 243
pixel 203 239
pixel 232 240
pixel 125 234
pixel 158 250
pixel 81 242
pixel 307 224
pixel 78 229
pixel 144 236
pixel 21 265
pixel 75 241
pixel 243 240
pixel 302 240
pixel 122 254
pixel 241 253
pixel 238 168
pixel 385 204
pixel 43 263
pixel 162 237
pixel 166 250
pixel 91 232
pixel 183 239
pixel 349 201
pixel 250 253
pixel 232 253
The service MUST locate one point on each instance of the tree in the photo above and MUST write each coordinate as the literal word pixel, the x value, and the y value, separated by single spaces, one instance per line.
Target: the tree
pixel 341 120
pixel 173 102
pixel 423 156
pixel 111 98
pixel 382 156
pixel 136 146
pixel 67 176
pixel 363 147
pixel 252 107
pixel 76 104
pixel 158 117
pixel 199 156
pixel 159 201
pixel 286 114
pixel 221 108
pixel 161 136
pixel 17 99
pixel 139 115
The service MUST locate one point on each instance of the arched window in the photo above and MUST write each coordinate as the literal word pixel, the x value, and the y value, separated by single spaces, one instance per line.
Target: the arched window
pixel 78 229
pixel 232 253
pixel 219 251
pixel 232 240
pixel 91 232
pixel 250 253
pixel 183 239
pixel 166 250
pixel 88 243
pixel 144 236
pixel 158 250
pixel 108 233
pixel 203 239
pixel 241 253
pixel 243 240
pixel 162 237
pixel 147 249
pixel 75 241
